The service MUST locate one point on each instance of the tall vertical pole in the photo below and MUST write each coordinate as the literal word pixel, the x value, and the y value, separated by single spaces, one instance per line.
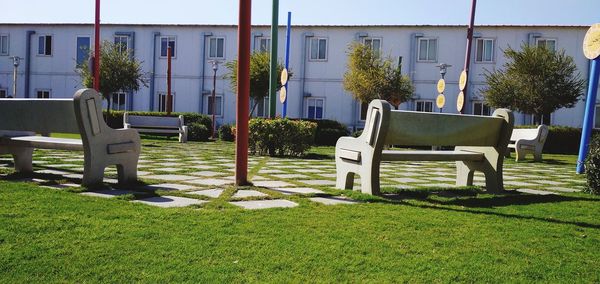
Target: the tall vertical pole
pixel 287 59
pixel 97 48
pixel 588 120
pixel 169 97
pixel 243 94
pixel 273 70
pixel 468 53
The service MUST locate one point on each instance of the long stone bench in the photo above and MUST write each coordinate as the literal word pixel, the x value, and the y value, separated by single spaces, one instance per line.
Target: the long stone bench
pixel 528 141
pixel 480 145
pixel 102 146
pixel 157 124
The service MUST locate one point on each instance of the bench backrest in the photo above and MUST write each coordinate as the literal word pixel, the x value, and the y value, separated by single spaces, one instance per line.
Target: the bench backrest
pixel 539 134
pixel 38 115
pixel 153 121
pixel 409 128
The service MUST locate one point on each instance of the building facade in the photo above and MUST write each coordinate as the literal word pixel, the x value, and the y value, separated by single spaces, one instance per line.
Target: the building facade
pixel 50 54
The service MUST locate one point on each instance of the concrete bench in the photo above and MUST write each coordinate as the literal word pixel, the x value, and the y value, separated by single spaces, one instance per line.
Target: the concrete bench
pixel 102 146
pixel 480 145
pixel 157 124
pixel 526 141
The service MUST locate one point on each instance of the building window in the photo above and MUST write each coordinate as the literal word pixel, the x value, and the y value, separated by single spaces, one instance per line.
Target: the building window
pixel 318 49
pixel 480 108
pixel 427 49
pixel 4 45
pixel 218 106
pixel 597 117
pixel 119 101
pixel 374 43
pixel 262 108
pixel 162 101
pixel 484 50
pixel 165 42
pixel 424 106
pixel 546 42
pixel 43 94
pixel 83 49
pixel 122 43
pixel 315 108
pixel 364 107
pixel 45 45
pixel 264 44
pixel 2 93
pixel 216 47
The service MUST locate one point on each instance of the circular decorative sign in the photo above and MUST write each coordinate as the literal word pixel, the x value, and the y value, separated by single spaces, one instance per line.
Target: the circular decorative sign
pixel 591 42
pixel 441 86
pixel 440 101
pixel 462 81
pixel 460 101
pixel 282 95
pixel 284 76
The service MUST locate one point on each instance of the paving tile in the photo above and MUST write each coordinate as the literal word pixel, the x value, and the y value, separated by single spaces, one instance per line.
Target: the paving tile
pixel 549 182
pixel 534 191
pixel 290 176
pixel 213 193
pixel 209 181
pixel 168 186
pixel 441 178
pixel 107 193
pixel 563 189
pixel 171 177
pixel 271 171
pixel 61 186
pixel 312 171
pixel 202 167
pixel 170 201
pixel 52 172
pixel 518 183
pixel 207 173
pixel 74 176
pixel 272 183
pixel 408 180
pixel 248 193
pixel 297 190
pixel 258 178
pixel 318 182
pixel 264 204
pixel 333 200
pixel 169 164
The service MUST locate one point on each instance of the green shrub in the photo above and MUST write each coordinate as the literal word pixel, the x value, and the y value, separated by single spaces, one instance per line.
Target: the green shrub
pixel 198 132
pixel 280 137
pixel 357 133
pixel 329 131
pixel 592 166
pixel 226 132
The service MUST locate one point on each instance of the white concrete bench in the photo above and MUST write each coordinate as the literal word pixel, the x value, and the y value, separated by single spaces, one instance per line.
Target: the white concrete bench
pixel 157 124
pixel 526 141
pixel 480 145
pixel 102 146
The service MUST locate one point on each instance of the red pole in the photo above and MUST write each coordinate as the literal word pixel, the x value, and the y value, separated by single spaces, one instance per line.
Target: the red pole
pixel 241 142
pixel 468 53
pixel 169 98
pixel 97 49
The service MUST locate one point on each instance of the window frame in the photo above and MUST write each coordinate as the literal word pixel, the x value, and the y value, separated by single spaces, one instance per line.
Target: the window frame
pixel 482 108
pixel 164 94
pixel 259 44
pixel 265 105
pixel 5 91
pixel 127 42
pixel 362 106
pixel 77 46
pixel 425 103
pixel 45 36
pixel 546 39
pixel 169 38
pixel 493 56
pixel 37 93
pixel 113 104
pixel 220 111
pixel 371 39
pixel 596 116
pixel 306 110
pixel 5 38
pixel 310 48
pixel 216 39
pixel 428 39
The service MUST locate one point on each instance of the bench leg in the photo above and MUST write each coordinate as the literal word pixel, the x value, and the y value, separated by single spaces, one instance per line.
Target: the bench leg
pixel 93 175
pixel 369 178
pixel 537 155
pixel 344 178
pixel 520 154
pixel 23 158
pixel 464 175
pixel 493 179
pixel 127 172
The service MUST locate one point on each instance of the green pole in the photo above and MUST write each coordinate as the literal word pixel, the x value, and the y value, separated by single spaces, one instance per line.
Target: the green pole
pixel 273 71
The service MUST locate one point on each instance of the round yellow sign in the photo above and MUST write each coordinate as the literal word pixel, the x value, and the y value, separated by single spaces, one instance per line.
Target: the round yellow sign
pixel 282 95
pixel 440 101
pixel 460 101
pixel 591 42
pixel 441 86
pixel 284 76
pixel 462 81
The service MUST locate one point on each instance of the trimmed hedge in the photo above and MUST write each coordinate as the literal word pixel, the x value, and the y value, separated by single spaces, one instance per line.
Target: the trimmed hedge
pixel 115 120
pixel 226 132
pixel 328 131
pixel 592 167
pixel 280 137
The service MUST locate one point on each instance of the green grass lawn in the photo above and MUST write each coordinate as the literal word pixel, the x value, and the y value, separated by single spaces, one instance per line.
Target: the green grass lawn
pixel 421 235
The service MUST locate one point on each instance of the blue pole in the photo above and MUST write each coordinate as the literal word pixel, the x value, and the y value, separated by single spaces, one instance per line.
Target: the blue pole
pixel 287 60
pixel 588 120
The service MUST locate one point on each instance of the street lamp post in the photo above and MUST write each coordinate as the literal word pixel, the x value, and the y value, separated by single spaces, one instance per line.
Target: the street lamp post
pixel 443 68
pixel 215 67
pixel 16 62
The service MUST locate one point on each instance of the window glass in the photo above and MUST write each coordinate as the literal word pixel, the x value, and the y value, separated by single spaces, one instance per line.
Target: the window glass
pixel 3 44
pixel 83 50
pixel 166 42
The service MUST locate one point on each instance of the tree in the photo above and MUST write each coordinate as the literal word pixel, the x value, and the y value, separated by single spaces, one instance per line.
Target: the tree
pixel 535 81
pixel 259 76
pixel 370 77
pixel 119 72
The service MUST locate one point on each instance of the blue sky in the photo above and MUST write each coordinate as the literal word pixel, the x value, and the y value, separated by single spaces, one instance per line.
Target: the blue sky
pixel 308 12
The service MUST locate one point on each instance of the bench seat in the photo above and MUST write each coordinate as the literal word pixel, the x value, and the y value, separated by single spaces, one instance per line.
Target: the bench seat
pixel 42 142
pixel 395 155
pixel 157 124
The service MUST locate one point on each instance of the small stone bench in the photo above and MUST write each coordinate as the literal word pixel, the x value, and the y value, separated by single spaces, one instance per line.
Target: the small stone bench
pixel 526 141
pixel 480 143
pixel 102 146
pixel 157 124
